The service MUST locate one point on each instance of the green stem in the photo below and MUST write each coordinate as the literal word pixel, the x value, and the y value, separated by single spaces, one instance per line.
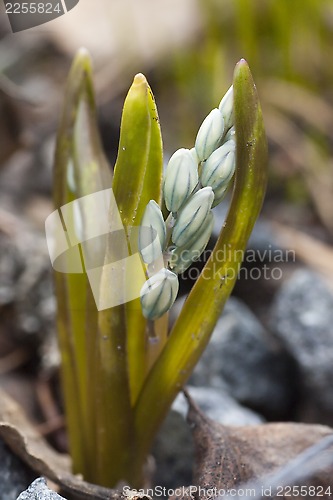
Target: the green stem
pixel 70 378
pixel 115 436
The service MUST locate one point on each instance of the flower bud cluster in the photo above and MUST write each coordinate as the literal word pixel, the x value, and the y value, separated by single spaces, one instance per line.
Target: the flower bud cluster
pixel 159 293
pixel 196 180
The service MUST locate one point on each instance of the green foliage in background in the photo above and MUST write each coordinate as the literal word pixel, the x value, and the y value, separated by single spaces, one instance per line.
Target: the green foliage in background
pixel 287 44
pixel 118 385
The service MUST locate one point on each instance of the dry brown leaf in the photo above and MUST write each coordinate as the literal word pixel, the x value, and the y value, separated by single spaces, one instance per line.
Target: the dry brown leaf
pixel 227 457
pixel 185 496
pixel 22 438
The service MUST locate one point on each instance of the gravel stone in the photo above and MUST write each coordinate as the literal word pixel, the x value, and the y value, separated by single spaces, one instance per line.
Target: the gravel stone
pixel 38 490
pixel 246 360
pixel 14 474
pixel 302 318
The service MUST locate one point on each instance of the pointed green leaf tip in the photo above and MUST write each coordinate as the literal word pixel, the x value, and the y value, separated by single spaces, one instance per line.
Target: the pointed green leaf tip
pixel 80 164
pixel 83 56
pixel 140 79
pixel 251 137
pixel 138 170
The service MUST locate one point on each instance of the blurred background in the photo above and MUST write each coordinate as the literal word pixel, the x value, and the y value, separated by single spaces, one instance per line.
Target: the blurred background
pixel 188 50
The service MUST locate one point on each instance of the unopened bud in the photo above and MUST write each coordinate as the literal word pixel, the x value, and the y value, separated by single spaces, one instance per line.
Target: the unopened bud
pixel 182 257
pixel 152 233
pixel 181 178
pixel 192 217
pixel 226 108
pixel 220 166
pixel 220 194
pixel 159 293
pixel 195 156
pixel 209 135
pixel 230 135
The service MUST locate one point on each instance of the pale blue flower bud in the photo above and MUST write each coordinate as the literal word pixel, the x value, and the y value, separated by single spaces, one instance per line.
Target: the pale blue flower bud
pixel 220 195
pixel 182 257
pixel 152 233
pixel 209 135
pixel 181 178
pixel 195 156
pixel 230 135
pixel 226 108
pixel 220 166
pixel 192 217
pixel 159 293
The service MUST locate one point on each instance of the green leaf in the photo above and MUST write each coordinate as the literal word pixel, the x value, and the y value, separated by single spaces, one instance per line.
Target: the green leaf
pixel 205 302
pixel 123 329
pixel 78 138
pixel 80 169
pixel 138 170
pixel 137 180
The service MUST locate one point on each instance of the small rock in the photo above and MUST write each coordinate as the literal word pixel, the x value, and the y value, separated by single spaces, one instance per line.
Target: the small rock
pixel 14 474
pixel 38 490
pixel 27 303
pixel 302 317
pixel 173 450
pixel 218 405
pixel 10 267
pixel 246 360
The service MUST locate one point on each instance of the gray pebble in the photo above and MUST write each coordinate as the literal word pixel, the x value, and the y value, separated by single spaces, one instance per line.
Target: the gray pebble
pixel 302 318
pixel 251 364
pixel 14 474
pixel 218 405
pixel 38 490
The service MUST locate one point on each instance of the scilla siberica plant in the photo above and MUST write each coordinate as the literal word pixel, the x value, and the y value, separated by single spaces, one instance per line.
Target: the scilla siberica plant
pixel 121 365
